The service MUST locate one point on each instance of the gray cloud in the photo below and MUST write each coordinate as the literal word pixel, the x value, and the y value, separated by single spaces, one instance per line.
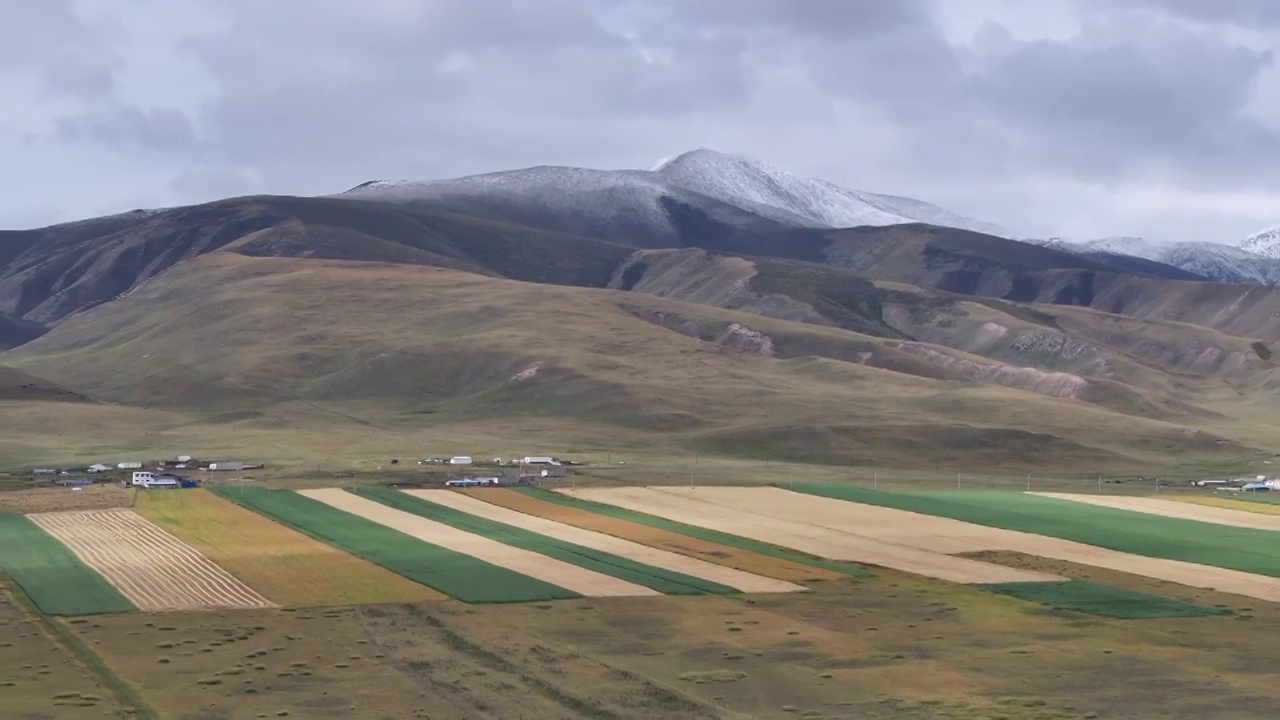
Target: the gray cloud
pixel 1121 119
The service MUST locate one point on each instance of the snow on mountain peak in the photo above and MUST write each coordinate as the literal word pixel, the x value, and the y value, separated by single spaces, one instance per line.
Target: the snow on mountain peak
pixel 1225 263
pixel 776 193
pixel 759 188
pixel 1264 242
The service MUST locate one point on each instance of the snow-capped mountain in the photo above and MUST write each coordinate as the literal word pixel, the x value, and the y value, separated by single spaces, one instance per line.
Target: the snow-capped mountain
pixel 1224 263
pixel 729 190
pixel 734 179
pixel 1265 243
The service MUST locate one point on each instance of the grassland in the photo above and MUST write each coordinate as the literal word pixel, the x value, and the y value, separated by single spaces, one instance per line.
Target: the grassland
pixel 1095 599
pixel 453 573
pixel 288 567
pixel 712 536
pixel 653 536
pixel 38 677
pixel 321 358
pixel 51 499
pixel 664 581
pixel 51 575
pixel 1137 533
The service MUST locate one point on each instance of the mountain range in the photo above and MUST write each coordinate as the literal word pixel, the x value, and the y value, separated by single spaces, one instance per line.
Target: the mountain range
pixel 712 303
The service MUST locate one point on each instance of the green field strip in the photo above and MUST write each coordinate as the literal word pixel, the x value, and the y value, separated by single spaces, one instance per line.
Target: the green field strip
pixel 1234 548
pixel 456 574
pixel 664 581
pixel 1104 600
pixel 693 531
pixel 55 580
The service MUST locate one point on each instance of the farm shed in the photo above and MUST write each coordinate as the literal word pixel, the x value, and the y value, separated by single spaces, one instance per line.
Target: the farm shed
pixel 553 471
pixel 460 460
pixel 98 467
pixel 540 460
pixel 129 465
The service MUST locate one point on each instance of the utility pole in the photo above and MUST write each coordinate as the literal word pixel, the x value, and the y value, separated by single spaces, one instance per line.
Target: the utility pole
pixel 1028 482
pixel 875 480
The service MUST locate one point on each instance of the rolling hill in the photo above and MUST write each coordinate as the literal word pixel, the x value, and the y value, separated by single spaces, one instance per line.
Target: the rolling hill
pixel 239 337
pixel 712 303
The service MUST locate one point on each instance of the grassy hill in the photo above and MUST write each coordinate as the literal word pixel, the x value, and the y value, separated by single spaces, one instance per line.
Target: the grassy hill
pixel 323 351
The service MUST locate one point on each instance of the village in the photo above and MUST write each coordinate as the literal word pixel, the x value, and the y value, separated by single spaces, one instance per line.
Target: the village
pixel 180 472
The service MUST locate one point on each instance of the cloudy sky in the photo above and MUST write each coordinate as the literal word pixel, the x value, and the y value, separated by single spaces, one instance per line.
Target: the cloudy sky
pixel 1158 118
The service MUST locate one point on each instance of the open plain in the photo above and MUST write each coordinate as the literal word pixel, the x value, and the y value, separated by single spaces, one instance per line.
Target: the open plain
pixel 150 567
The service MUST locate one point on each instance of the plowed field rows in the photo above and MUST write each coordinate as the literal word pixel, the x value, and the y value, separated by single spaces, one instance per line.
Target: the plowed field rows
pixel 281 563
pixel 153 569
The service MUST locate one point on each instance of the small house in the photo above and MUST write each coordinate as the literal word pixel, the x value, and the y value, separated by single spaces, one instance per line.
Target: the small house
pixel 129 465
pixel 540 460
pixel 98 467
pixel 460 460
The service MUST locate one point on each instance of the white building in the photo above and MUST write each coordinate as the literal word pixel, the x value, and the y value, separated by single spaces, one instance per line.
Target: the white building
pixel 98 467
pixel 460 460
pixel 129 465
pixel 541 460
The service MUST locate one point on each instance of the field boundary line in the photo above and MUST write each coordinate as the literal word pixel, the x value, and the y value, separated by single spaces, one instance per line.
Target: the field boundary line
pixel 125 693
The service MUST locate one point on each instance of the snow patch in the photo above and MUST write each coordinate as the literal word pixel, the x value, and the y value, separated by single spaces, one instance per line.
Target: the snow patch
pixel 527 374
pixel 1246 263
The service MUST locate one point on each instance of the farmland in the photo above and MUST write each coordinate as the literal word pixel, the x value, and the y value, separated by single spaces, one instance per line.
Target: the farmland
pixel 453 573
pixel 454 604
pixel 286 566
pixel 518 561
pixel 150 567
pixel 582 550
pixel 654 535
pixel 1142 534
pixel 57 581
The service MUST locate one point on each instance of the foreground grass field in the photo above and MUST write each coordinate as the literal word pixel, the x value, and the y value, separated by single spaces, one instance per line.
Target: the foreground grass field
pixel 1242 549
pixel 453 573
pixel 290 568
pixel 51 575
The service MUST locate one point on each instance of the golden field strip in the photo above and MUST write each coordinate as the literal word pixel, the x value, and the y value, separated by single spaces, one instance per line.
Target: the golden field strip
pixel 153 569
pixel 737 558
pixel 561 574
pixel 290 568
pixel 1174 509
pixel 850 531
pixel 737 579
pixel 760 514
pixel 1229 503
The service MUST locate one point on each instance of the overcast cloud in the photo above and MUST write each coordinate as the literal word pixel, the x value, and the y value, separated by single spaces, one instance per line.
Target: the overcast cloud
pixel 1158 118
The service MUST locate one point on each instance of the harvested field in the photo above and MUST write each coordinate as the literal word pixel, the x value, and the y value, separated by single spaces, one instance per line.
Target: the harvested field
pixel 55 580
pixel 728 541
pixel 675 542
pixel 51 499
pixel 153 569
pixel 666 582
pixel 453 573
pixel 290 568
pixel 1233 503
pixel 742 581
pixel 955 521
pixel 530 564
pixel 762 514
pixel 1175 509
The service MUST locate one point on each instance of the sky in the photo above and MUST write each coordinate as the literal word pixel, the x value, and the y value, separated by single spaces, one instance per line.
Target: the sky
pixel 1073 118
